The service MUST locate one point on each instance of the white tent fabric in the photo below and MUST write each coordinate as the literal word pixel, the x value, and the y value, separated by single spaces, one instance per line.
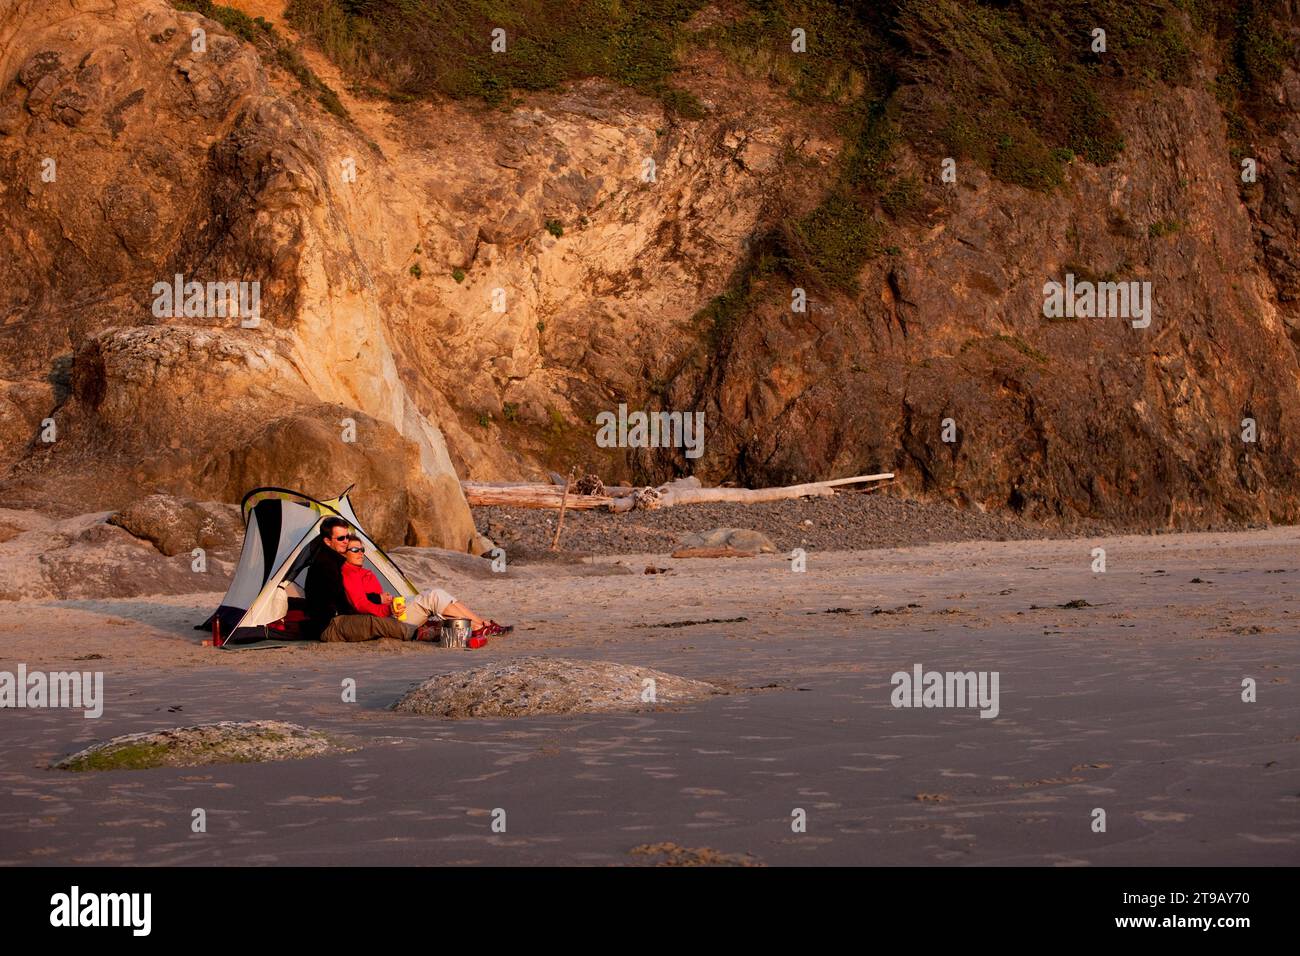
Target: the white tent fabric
pixel 281 532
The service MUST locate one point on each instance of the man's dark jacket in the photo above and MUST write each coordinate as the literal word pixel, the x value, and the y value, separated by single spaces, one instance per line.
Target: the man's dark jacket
pixel 325 595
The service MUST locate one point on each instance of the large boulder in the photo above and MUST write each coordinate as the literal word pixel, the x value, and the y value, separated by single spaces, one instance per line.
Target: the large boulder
pixel 324 449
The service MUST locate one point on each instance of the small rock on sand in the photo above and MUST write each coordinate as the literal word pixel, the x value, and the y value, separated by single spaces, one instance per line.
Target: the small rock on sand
pixel 738 539
pixel 255 741
pixel 528 686
pixel 670 854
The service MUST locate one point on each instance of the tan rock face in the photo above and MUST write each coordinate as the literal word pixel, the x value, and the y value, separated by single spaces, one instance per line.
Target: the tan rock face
pixel 599 311
pixel 167 161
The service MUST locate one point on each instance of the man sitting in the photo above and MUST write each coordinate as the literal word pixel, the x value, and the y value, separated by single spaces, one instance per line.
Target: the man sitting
pixel 331 616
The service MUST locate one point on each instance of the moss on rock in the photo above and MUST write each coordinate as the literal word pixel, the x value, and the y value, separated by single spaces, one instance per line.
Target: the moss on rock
pixel 256 741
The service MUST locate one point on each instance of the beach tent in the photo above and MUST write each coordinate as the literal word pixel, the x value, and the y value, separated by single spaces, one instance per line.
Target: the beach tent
pixel 281 534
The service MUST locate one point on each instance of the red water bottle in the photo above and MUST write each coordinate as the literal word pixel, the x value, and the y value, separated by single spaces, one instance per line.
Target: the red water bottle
pixel 216 632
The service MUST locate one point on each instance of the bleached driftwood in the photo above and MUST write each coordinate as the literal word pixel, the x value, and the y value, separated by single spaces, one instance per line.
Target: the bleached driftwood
pixel 532 494
pixel 555 545
pixel 666 496
pixel 683 491
pixel 529 496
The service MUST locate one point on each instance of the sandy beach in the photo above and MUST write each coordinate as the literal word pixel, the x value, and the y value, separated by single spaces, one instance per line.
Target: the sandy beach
pixel 1129 700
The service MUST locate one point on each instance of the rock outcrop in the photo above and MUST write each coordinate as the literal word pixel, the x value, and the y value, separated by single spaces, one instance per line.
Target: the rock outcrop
pixel 86 558
pixel 133 153
pixel 1056 420
pixel 528 686
pixel 469 286
pixel 229 741
pixel 178 525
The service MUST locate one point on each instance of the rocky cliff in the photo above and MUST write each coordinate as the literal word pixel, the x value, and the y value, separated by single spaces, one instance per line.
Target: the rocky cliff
pixel 450 286
pixel 135 150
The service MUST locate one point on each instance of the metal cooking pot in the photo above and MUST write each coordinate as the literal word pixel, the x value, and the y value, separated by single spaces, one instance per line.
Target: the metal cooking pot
pixel 456 632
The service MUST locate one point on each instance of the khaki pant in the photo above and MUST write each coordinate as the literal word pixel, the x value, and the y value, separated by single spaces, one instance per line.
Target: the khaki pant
pixel 353 628
pixel 427 604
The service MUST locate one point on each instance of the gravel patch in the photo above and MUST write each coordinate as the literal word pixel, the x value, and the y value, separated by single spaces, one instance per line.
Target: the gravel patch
pixel 845 522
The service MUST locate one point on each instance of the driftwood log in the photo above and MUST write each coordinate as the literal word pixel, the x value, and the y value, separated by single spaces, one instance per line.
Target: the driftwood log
pixel 529 496
pixel 684 491
pixel 555 545
pixel 676 494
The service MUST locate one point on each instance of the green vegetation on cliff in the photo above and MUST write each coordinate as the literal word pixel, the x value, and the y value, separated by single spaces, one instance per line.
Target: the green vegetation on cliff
pixel 419 48
pixel 257 31
pixel 1016 86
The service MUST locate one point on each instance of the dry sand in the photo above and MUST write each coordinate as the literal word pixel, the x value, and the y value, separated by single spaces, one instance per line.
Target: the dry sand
pixel 1131 704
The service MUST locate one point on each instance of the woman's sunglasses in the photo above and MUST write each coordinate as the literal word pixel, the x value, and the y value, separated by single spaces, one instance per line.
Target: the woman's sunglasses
pixel 357 550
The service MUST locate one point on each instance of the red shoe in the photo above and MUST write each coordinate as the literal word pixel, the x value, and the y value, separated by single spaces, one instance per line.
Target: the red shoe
pixel 492 628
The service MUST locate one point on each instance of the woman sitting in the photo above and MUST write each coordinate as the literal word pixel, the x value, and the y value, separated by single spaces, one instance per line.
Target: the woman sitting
pixel 424 611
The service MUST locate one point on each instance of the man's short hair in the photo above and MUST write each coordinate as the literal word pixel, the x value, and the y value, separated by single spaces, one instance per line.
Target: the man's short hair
pixel 329 524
